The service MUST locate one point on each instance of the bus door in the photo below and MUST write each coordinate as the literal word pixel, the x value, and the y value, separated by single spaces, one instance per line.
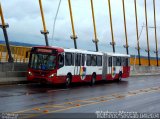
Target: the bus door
pixel 110 64
pixel 80 69
pixel 104 71
pixel 126 67
pixel 77 64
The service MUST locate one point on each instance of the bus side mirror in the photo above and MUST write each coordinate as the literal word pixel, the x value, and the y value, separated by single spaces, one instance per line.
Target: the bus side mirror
pixel 60 60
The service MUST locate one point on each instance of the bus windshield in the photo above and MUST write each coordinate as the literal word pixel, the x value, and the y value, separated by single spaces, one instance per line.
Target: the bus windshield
pixel 43 61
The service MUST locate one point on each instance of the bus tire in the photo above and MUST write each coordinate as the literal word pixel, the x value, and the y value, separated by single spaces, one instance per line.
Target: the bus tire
pixel 93 80
pixel 120 76
pixel 68 81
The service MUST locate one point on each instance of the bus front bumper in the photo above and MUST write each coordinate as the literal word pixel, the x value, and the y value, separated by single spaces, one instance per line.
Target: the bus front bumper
pixel 52 80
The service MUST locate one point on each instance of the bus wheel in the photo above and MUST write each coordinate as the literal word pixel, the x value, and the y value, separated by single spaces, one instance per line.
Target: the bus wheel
pixel 68 82
pixel 120 78
pixel 93 80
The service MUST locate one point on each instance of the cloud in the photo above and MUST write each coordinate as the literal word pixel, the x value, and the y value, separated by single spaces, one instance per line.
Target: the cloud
pixel 25 22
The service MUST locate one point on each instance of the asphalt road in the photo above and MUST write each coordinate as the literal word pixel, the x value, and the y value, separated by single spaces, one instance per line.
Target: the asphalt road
pixel 135 94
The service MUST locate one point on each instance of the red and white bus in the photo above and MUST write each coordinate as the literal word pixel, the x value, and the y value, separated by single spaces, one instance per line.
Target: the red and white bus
pixel 58 65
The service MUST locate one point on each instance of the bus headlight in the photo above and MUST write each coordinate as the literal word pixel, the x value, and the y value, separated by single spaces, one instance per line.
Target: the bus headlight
pixel 30 73
pixel 52 75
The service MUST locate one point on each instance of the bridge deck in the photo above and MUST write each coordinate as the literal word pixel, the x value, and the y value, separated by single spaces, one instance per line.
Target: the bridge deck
pixel 135 94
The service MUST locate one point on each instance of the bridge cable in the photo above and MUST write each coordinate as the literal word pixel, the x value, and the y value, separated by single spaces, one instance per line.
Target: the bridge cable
pixel 54 24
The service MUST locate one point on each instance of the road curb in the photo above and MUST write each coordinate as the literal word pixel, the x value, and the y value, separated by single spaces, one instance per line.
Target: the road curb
pixel 23 80
pixel 146 74
pixel 14 82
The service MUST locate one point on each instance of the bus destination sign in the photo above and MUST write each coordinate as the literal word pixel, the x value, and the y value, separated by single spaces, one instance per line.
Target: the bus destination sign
pixel 44 50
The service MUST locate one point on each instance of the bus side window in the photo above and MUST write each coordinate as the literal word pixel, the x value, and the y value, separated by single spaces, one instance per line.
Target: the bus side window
pixel 68 59
pixel 93 60
pixel 126 61
pixel 123 61
pixel 72 59
pixel 88 60
pixel 114 61
pixel 77 59
pixel 83 59
pixel 99 60
pixel 110 61
pixel 118 62
pixel 61 60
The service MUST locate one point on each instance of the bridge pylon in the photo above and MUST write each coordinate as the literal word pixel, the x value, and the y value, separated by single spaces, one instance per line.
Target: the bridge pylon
pixel 4 28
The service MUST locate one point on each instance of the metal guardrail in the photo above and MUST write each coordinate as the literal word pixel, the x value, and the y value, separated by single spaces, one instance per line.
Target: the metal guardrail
pixel 144 61
pixel 18 53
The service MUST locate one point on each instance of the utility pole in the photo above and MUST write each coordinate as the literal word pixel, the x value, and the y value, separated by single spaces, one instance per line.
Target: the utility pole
pixel 44 32
pixel 4 27
pixel 95 40
pixel 74 37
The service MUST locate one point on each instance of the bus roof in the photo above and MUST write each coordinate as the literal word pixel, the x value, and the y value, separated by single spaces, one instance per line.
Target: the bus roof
pixel 59 49
pixel 116 54
pixel 83 51
pixel 95 53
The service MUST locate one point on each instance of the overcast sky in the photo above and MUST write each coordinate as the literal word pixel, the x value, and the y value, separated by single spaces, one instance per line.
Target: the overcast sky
pixel 24 19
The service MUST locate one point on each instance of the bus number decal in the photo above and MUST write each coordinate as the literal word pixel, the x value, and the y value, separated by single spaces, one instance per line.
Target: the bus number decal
pixel 113 72
pixel 83 72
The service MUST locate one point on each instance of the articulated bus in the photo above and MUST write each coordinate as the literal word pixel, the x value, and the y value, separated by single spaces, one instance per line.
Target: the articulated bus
pixel 65 66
